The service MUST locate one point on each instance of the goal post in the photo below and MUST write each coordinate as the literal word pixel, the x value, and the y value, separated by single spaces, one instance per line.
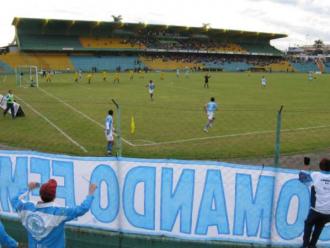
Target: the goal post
pixel 27 76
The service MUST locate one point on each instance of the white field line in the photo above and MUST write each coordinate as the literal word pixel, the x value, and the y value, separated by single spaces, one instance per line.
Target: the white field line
pixel 230 135
pixel 53 125
pixel 4 78
pixel 79 112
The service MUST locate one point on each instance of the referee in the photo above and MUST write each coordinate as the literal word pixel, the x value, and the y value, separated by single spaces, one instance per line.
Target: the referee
pixel 319 213
pixel 10 104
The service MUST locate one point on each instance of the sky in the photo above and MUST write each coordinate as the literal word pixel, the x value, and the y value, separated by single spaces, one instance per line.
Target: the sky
pixel 302 20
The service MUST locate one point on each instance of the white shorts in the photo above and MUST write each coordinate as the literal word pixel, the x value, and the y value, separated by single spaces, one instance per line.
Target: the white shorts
pixel 109 136
pixel 151 91
pixel 210 115
pixel 263 83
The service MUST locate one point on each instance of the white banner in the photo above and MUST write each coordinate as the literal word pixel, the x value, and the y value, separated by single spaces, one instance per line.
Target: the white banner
pixel 194 200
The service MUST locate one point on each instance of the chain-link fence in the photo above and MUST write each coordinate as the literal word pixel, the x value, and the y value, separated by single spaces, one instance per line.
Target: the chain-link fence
pixel 68 117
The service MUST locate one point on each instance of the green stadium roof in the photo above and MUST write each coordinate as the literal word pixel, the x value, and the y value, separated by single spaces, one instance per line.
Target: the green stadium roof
pixel 99 28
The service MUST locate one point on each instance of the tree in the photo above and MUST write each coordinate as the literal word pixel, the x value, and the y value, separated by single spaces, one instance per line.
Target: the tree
pixel 318 44
pixel 118 18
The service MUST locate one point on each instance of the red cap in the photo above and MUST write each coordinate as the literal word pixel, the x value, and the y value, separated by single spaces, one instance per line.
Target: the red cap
pixel 48 191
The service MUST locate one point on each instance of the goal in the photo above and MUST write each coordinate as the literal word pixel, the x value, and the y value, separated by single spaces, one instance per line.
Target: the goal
pixel 27 76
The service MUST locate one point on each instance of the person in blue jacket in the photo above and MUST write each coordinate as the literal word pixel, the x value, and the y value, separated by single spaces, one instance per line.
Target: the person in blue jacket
pixel 5 239
pixel 45 221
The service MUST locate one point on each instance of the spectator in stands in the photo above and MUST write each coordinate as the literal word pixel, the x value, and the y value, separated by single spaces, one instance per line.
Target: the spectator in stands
pixel 5 239
pixel 319 213
pixel 10 104
pixel 44 221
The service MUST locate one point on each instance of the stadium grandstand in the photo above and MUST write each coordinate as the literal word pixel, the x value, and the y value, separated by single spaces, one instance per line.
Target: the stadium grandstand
pixel 68 45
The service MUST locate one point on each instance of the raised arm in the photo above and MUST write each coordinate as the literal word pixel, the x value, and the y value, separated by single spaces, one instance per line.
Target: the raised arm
pixel 80 210
pixel 17 201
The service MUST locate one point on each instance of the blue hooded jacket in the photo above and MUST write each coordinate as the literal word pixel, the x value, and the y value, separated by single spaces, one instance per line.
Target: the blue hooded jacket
pixel 45 222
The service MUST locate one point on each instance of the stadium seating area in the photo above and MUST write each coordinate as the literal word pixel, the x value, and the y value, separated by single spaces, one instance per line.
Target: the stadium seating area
pixel 327 66
pixel 5 68
pixel 304 66
pixel 168 63
pixel 42 60
pixel 109 63
pixel 49 42
pixel 112 43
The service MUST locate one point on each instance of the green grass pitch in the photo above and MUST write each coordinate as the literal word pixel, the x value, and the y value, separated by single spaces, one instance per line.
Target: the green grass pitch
pixel 68 117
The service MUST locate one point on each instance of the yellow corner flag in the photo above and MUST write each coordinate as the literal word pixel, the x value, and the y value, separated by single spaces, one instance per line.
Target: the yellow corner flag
pixel 132 125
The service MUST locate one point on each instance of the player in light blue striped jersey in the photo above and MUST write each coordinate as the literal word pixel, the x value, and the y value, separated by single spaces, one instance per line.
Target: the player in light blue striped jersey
pixel 109 130
pixel 210 109
pixel 151 86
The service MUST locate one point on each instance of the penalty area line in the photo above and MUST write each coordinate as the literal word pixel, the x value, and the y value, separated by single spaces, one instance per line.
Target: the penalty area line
pixel 53 124
pixel 80 113
pixel 230 135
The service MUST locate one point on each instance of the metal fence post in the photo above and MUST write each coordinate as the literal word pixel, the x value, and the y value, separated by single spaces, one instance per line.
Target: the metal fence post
pixel 118 130
pixel 278 138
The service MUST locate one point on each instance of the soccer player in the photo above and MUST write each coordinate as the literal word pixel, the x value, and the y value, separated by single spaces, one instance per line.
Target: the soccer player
pixel 206 80
pixel 116 78
pixel 310 76
pixel 45 221
pixel 263 81
pixel 80 75
pixel 210 109
pixel 76 77
pixel 151 88
pixel 10 104
pixel 162 75
pixel 319 213
pixel 5 239
pixel 89 78
pixel 109 131
pixel 48 77
pixel 104 75
pixel 186 72
pixel 177 73
pixel 131 75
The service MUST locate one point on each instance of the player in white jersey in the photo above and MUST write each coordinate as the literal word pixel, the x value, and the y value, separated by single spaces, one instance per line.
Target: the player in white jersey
pixel 310 76
pixel 109 131
pixel 263 81
pixel 151 87
pixel 319 213
pixel 210 109
pixel 177 73
pixel 186 72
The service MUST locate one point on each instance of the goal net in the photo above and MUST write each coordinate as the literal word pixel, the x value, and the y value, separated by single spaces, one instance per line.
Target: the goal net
pixel 27 76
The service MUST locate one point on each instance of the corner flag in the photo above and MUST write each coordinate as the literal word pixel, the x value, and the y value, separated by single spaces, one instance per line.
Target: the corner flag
pixel 132 125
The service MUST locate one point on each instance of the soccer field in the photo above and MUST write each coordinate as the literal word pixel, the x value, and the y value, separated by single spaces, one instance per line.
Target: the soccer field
pixel 68 117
